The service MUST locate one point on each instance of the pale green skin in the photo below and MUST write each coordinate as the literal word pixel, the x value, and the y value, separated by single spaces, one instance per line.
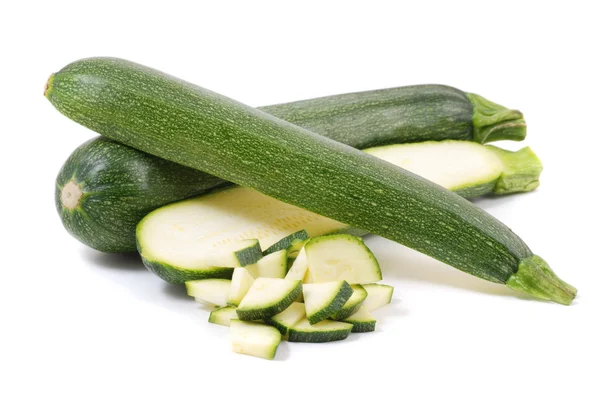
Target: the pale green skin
pixel 175 120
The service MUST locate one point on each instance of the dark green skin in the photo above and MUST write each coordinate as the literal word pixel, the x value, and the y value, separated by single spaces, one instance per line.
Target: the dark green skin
pixel 189 125
pixel 142 183
pixel 381 117
pixel 120 186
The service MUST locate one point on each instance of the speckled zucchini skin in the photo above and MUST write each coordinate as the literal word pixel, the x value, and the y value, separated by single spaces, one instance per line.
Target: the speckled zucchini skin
pixel 120 186
pixel 189 125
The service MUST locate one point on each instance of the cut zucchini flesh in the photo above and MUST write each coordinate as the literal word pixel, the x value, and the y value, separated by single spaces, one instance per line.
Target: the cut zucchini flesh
pixel 241 281
pixel 274 265
pixel 299 267
pixel 268 297
pixel 324 331
pixel 378 295
pixel 288 318
pixel 222 315
pixel 362 321
pixel 210 291
pixel 255 339
pixel 293 241
pixel 353 304
pixel 178 246
pixel 340 257
pixel 325 299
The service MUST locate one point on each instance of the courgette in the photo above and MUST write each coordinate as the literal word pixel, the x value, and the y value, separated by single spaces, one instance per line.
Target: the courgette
pixel 322 300
pixel 268 297
pixel 105 188
pixel 254 339
pixel 322 332
pixel 362 321
pixel 274 265
pixel 283 321
pixel 353 304
pixel 210 291
pixel 223 315
pixel 241 281
pixel 186 124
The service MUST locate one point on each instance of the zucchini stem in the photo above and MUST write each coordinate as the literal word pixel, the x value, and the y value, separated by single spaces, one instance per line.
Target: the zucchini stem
pixel 535 278
pixel 493 122
pixel 521 171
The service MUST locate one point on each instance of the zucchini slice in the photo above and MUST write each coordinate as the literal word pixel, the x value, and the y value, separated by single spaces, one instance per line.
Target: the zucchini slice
pixel 222 316
pixel 340 257
pixel 255 339
pixel 241 281
pixel 324 299
pixel 362 321
pixel 378 295
pixel 322 332
pixel 299 268
pixel 210 291
pixel 268 297
pixel 288 318
pixel 353 304
pixel 273 265
pixel 293 241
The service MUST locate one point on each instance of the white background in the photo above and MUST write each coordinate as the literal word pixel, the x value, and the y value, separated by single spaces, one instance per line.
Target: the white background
pixel 80 325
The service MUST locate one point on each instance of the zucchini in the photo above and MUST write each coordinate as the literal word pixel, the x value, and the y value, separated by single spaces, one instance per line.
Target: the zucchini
pixel 255 339
pixel 223 315
pixel 234 213
pixel 294 241
pixel 274 265
pixel 241 281
pixel 210 291
pixel 362 321
pixel 268 297
pixel 378 295
pixel 299 267
pixel 283 321
pixel 104 216
pixel 340 257
pixel 325 331
pixel 353 304
pixel 186 124
pixel 322 300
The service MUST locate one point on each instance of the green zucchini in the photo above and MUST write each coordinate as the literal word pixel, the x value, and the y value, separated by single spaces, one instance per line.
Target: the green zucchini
pixel 186 124
pixel 273 265
pixel 353 304
pixel 322 300
pixel 241 281
pixel 322 332
pixel 362 321
pixel 105 188
pixel 210 291
pixel 288 318
pixel 254 339
pixel 223 315
pixel 268 297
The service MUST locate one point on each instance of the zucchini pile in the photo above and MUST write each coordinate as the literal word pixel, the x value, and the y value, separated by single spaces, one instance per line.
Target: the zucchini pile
pixel 329 291
pixel 260 210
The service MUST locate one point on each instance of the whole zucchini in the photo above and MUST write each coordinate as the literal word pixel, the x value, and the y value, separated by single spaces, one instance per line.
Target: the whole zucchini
pixel 189 125
pixel 105 188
